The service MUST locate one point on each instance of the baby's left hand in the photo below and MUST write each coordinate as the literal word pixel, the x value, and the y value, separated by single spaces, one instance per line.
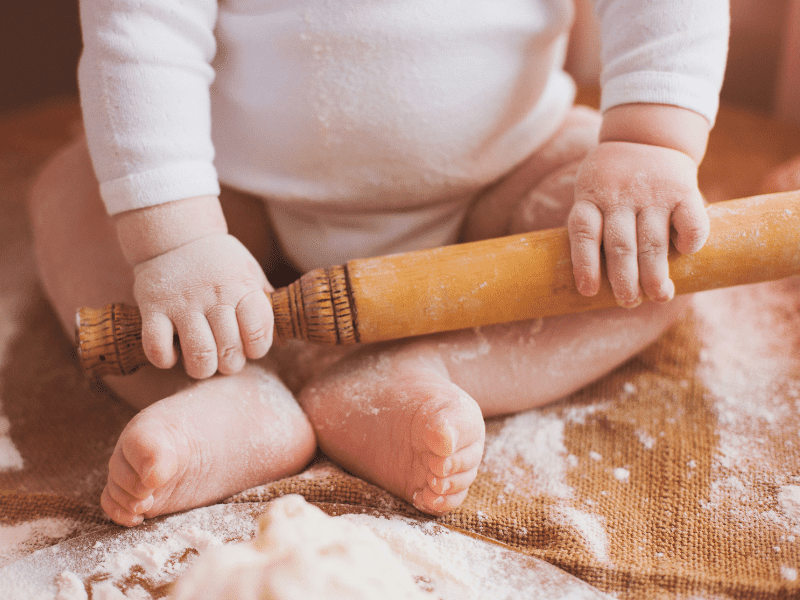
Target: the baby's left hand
pixel 628 196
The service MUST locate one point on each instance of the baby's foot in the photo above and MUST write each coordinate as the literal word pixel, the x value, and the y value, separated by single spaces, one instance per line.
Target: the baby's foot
pixel 400 423
pixel 215 438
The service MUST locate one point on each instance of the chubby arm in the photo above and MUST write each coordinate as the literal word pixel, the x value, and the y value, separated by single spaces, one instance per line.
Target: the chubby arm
pixel 144 77
pixel 663 65
pixel 634 192
pixel 193 277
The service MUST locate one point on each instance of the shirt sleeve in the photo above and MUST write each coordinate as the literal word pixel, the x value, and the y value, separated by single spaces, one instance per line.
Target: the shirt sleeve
pixel 144 78
pixel 664 52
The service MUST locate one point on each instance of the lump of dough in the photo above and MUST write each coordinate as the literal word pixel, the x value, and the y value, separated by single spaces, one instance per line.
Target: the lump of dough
pixel 300 553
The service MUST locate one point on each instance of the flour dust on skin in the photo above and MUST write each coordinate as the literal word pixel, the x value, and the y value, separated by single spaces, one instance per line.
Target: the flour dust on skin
pixel 751 369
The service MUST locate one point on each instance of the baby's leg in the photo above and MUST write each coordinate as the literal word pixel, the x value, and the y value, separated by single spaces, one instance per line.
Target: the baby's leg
pixel 408 416
pixel 392 415
pixel 193 442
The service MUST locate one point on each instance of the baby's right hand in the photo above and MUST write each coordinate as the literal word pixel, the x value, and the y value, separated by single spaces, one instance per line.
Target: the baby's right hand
pixel 214 293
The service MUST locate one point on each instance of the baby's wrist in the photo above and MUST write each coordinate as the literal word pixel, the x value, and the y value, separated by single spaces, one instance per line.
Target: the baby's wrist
pixel 657 125
pixel 149 232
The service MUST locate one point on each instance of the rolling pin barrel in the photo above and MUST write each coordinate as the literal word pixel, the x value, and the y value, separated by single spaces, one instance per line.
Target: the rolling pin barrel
pixel 513 278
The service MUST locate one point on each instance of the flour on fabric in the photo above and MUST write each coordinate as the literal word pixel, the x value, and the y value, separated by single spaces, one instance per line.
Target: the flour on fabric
pixel 300 552
pixel 749 367
pixel 125 569
pixel 590 527
pixel 23 538
pixel 537 439
pixel 453 565
pixel 529 455
pixel 10 306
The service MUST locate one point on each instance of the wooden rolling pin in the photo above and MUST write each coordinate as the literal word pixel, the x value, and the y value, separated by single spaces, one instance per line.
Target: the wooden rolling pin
pixel 498 280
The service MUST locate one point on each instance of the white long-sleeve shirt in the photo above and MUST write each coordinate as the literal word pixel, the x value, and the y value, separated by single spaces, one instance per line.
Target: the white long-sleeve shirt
pixel 344 106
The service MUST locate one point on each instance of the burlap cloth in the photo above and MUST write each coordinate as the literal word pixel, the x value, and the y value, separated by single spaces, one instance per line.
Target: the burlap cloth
pixel 677 475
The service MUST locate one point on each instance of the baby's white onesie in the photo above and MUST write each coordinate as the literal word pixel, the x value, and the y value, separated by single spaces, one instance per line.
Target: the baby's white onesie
pixel 366 125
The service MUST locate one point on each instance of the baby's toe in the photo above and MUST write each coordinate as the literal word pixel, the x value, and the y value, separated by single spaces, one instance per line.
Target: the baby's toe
pixel 149 449
pixel 430 502
pixel 455 426
pixel 465 459
pixel 124 475
pixel 454 483
pixel 117 512
pixel 127 501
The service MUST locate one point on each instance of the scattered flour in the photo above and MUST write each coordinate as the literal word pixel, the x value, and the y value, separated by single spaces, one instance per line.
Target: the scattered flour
pixel 749 371
pixel 622 475
pixel 300 553
pixel 10 458
pixel 23 538
pixel 451 565
pixel 789 573
pixel 70 587
pixel 789 502
pixel 129 564
pixel 537 438
pixel 647 440
pixel 454 565
pixel 528 452
pixel 579 414
pixel 591 529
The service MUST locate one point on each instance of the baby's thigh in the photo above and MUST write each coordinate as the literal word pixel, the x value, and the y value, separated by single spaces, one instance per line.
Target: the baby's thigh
pixel 539 192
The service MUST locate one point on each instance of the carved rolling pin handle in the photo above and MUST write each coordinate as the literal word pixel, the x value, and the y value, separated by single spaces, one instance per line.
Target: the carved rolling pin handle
pixel 110 340
pixel 317 307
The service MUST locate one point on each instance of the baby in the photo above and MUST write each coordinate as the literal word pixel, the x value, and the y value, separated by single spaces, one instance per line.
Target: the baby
pixel 351 128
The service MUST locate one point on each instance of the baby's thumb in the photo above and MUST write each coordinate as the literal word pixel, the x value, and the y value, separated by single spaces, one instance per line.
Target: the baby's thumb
pixel 690 227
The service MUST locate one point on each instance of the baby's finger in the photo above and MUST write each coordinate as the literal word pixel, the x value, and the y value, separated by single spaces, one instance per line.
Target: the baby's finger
pixel 585 228
pixel 254 314
pixel 652 247
pixel 198 345
pixel 230 353
pixel 619 245
pixel 157 335
pixel 690 220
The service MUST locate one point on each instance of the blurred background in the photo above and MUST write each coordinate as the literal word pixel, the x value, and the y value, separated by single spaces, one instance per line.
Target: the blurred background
pixel 40 44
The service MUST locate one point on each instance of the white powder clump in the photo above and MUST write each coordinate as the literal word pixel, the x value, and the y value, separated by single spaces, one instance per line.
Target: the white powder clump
pixel 789 502
pixel 105 590
pixel 647 440
pixel 789 573
pixel 70 587
pixel 301 553
pixel 622 475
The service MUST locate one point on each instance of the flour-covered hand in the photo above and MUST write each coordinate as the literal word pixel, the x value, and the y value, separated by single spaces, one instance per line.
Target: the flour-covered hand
pixel 213 293
pixel 631 198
